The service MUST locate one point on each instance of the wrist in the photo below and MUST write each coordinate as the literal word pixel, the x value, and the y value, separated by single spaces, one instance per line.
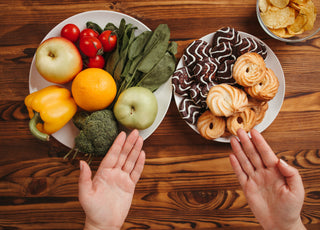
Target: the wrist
pixel 91 226
pixel 298 225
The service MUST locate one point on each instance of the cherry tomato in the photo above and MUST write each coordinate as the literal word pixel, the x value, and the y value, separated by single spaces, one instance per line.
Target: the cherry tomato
pixel 108 40
pixel 96 62
pixel 90 46
pixel 88 33
pixel 70 32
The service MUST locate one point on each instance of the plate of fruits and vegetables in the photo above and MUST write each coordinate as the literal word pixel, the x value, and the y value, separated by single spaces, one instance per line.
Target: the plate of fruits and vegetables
pixel 133 67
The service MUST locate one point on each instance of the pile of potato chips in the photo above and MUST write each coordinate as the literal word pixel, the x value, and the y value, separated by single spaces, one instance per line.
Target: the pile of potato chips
pixel 287 18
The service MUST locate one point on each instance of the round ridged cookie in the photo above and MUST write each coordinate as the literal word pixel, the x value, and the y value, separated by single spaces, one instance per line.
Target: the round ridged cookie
pixel 259 107
pixel 266 89
pixel 245 120
pixel 182 81
pixel 225 100
pixel 249 69
pixel 210 126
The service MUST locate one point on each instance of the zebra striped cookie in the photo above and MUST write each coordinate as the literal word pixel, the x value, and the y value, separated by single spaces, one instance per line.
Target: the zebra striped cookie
pixel 195 52
pixel 182 81
pixel 189 111
pixel 249 44
pixel 226 34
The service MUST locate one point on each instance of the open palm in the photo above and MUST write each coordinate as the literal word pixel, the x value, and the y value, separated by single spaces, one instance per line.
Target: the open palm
pixel 273 189
pixel 107 198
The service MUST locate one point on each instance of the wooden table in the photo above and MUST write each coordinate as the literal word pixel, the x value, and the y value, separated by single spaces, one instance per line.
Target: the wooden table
pixel 187 181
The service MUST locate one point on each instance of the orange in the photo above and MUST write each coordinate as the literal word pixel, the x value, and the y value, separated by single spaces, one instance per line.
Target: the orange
pixel 93 89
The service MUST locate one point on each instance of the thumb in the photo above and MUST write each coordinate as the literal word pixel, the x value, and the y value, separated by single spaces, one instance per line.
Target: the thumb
pixel 85 182
pixel 291 174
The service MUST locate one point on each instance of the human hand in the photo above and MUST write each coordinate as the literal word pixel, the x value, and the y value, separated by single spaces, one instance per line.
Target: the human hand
pixel 106 199
pixel 273 189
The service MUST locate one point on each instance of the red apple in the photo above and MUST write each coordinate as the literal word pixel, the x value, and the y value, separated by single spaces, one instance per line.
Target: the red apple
pixel 58 60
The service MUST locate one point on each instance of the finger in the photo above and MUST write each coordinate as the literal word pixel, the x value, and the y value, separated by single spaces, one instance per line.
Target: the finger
pixel 249 149
pixel 267 155
pixel 133 156
pixel 241 175
pixel 111 158
pixel 85 182
pixel 241 156
pixel 292 176
pixel 138 168
pixel 127 147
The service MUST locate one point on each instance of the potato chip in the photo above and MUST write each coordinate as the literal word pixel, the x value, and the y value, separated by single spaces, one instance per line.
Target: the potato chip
pixel 276 18
pixel 299 1
pixel 279 3
pixel 282 33
pixel 309 10
pixel 298 26
pixel 263 5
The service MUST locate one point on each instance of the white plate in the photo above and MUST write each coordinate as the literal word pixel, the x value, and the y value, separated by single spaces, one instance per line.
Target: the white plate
pixel 275 104
pixel 101 17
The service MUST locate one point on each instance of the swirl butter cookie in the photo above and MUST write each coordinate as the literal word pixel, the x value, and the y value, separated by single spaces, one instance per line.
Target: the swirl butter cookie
pixel 249 69
pixel 225 100
pixel 266 89
pixel 245 120
pixel 210 126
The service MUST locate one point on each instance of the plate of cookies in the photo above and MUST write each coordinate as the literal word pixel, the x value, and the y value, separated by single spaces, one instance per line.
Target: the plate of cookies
pixel 228 80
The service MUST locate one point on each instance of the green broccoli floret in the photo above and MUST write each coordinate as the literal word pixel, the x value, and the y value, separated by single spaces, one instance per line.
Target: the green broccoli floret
pixel 97 133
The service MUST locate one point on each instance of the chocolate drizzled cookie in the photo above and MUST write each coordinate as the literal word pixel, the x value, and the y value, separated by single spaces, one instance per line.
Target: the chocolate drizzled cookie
pixel 189 111
pixel 195 52
pixel 204 71
pixel 182 81
pixel 226 34
pixel 249 44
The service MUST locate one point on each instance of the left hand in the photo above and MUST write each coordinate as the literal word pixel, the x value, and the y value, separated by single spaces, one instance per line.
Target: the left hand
pixel 106 199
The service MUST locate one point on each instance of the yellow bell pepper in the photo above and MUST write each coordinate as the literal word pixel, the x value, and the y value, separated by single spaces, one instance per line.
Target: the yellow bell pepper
pixel 49 110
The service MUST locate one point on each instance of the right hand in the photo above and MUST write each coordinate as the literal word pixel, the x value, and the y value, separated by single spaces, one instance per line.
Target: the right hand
pixel 273 189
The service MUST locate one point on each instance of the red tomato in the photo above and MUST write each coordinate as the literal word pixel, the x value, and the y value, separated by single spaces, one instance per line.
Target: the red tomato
pixel 70 32
pixel 88 33
pixel 96 62
pixel 108 40
pixel 90 46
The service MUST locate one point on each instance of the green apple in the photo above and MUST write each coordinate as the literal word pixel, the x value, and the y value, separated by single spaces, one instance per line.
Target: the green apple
pixel 136 108
pixel 58 60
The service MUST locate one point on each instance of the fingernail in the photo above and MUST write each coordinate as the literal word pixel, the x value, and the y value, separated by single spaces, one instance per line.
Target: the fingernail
pixel 283 162
pixel 81 165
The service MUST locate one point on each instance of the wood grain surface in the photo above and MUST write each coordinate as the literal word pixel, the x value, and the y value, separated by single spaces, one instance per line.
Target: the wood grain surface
pixel 187 182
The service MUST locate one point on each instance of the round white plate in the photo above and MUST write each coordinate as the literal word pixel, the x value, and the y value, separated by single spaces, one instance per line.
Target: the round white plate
pixel 67 134
pixel 275 104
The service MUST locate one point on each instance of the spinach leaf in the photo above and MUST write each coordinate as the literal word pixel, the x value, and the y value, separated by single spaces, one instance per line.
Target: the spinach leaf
pixel 160 73
pixel 94 26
